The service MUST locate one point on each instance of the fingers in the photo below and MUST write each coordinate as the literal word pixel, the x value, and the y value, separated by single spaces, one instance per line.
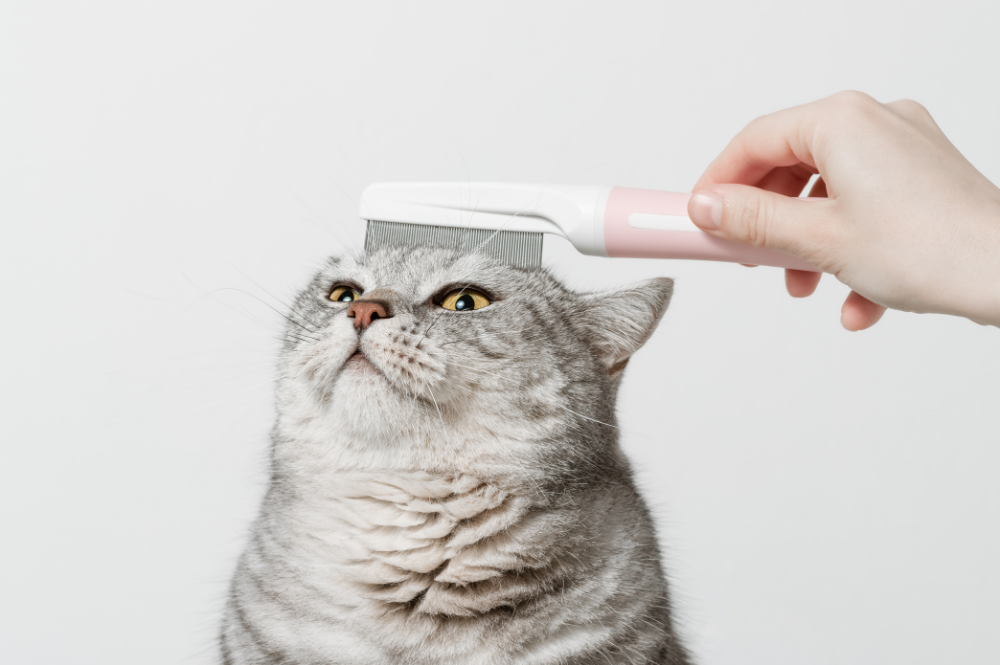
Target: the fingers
pixel 800 135
pixel 887 172
pixel 801 283
pixel 769 142
pixel 759 218
pixel 788 181
pixel 859 312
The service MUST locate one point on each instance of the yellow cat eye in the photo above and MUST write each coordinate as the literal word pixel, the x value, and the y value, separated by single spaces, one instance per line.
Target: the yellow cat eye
pixel 344 293
pixel 465 300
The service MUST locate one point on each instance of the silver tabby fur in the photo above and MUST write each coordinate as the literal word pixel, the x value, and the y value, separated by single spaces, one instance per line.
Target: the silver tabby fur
pixel 458 495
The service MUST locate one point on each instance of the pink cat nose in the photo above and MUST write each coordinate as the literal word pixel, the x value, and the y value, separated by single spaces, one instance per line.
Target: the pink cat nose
pixel 364 312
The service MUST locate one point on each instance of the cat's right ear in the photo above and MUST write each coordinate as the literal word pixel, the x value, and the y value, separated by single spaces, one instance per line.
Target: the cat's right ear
pixel 617 323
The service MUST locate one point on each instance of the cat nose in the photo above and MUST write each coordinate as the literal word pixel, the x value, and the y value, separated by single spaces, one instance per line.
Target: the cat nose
pixel 365 311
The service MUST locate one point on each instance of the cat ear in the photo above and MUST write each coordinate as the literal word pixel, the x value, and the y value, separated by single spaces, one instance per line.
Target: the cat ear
pixel 617 323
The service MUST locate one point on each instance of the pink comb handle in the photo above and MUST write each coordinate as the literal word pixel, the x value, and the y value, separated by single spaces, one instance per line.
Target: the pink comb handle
pixel 623 239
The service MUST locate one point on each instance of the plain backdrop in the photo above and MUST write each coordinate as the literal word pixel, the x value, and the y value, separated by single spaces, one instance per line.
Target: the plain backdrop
pixel 170 172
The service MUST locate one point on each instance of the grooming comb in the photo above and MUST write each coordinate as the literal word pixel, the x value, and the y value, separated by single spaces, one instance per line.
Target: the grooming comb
pixel 507 221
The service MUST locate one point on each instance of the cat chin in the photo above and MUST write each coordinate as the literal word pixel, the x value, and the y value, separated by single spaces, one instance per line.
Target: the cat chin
pixel 358 362
pixel 359 381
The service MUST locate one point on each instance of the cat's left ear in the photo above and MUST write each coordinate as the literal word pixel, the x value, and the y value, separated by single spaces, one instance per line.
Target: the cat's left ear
pixel 617 323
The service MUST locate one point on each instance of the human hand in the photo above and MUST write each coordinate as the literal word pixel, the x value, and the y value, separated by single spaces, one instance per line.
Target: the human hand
pixel 909 223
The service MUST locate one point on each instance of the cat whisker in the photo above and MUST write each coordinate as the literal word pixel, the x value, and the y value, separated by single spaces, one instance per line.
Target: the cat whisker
pixel 283 303
pixel 457 385
pixel 603 652
pixel 274 334
pixel 138 396
pixel 265 359
pixel 210 383
pixel 172 359
pixel 430 393
pixel 320 217
pixel 503 378
pixel 594 420
pixel 269 306
pixel 207 406
pixel 561 406
pixel 210 294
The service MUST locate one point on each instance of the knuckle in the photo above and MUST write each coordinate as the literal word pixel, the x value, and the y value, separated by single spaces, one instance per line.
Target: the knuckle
pixel 908 106
pixel 755 123
pixel 855 105
pixel 846 113
pixel 853 99
pixel 752 218
pixel 910 109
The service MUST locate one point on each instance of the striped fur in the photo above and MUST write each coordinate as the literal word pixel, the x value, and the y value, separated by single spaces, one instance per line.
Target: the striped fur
pixel 459 496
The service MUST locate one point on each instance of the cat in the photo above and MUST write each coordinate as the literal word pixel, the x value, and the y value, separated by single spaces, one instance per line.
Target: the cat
pixel 446 480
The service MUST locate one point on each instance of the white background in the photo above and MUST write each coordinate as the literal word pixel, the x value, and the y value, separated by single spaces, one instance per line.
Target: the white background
pixel 822 496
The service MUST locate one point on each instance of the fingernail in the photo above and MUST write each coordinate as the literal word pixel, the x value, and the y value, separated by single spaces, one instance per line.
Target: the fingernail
pixel 706 210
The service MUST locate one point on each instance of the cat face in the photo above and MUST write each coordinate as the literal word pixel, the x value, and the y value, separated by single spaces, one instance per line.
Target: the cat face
pixel 428 342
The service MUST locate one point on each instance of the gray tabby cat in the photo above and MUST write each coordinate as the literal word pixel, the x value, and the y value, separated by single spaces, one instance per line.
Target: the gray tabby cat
pixel 446 480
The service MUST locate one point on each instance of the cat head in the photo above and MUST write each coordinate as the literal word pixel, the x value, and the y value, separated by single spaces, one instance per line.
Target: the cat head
pixel 434 350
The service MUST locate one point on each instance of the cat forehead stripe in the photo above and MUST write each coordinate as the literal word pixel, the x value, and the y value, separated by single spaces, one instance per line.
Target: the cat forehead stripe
pixel 515 248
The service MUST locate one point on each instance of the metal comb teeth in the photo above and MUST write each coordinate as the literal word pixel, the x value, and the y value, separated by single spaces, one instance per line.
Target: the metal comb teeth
pixel 520 249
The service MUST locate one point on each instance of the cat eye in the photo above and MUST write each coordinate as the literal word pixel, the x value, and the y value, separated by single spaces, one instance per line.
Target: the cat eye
pixel 465 300
pixel 344 293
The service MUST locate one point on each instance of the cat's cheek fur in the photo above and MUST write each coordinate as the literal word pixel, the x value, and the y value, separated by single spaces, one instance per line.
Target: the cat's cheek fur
pixel 319 359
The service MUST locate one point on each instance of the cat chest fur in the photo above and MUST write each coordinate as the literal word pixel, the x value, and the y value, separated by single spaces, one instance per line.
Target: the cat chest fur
pixel 414 542
pixel 436 563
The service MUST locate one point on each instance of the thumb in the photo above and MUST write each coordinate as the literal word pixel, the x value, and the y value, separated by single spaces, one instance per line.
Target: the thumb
pixel 760 218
